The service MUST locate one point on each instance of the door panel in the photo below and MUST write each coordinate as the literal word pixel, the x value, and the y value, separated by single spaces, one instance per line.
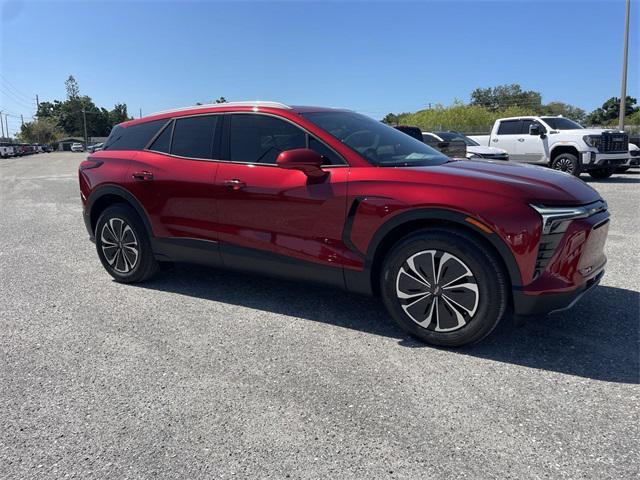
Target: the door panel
pixel 176 194
pixel 531 148
pixel 278 211
pixel 506 137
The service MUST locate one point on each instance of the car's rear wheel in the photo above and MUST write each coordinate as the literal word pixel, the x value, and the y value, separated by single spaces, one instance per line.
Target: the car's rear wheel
pixel 444 288
pixel 601 173
pixel 566 162
pixel 123 245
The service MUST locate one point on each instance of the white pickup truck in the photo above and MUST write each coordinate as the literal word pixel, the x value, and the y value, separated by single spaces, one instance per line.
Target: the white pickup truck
pixel 559 143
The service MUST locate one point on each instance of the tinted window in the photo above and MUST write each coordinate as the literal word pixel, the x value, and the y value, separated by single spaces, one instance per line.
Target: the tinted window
pixel 163 142
pixel 260 138
pixel 451 136
pixel 430 139
pixel 509 127
pixel 526 123
pixel 560 123
pixel 134 137
pixel 193 136
pixel 329 156
pixel 380 144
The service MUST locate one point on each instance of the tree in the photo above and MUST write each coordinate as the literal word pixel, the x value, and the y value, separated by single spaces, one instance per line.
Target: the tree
pixel 119 114
pixel 610 111
pixel 221 100
pixel 43 130
pixel 564 109
pixel 505 96
pixel 73 90
pixel 390 119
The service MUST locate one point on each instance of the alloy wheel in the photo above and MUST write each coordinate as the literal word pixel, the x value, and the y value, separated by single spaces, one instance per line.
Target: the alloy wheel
pixel 564 165
pixel 119 245
pixel 437 290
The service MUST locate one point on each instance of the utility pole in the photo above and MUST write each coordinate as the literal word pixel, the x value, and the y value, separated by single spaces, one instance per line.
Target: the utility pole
pixel 140 113
pixel 1 124
pixel 21 120
pixel 6 123
pixel 625 58
pixel 37 103
pixel 84 117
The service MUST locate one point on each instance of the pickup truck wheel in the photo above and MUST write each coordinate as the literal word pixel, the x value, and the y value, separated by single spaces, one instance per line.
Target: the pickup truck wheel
pixel 621 169
pixel 601 173
pixel 444 288
pixel 566 162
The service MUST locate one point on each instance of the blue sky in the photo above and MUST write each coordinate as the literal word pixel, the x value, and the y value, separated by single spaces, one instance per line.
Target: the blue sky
pixel 374 57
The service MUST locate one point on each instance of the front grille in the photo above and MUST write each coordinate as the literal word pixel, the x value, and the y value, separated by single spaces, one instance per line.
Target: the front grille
pixel 612 142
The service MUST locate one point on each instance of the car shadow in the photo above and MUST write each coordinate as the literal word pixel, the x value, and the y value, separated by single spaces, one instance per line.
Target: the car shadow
pixel 598 338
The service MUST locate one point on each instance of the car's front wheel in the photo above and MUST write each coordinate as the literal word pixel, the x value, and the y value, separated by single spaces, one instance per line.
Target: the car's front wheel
pixel 566 162
pixel 123 245
pixel 444 287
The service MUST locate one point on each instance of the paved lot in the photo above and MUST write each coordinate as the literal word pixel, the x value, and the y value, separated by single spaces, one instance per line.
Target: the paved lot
pixel 205 373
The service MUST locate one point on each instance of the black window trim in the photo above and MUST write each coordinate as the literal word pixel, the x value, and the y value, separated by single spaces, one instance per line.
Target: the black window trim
pixel 226 135
pixel 217 134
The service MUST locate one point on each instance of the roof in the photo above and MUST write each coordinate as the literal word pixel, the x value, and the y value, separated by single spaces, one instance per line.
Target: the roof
pixel 254 105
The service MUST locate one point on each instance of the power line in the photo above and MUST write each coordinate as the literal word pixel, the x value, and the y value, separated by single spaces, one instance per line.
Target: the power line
pixel 10 86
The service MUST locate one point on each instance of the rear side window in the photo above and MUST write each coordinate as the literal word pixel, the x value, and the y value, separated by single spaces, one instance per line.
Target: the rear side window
pixel 193 136
pixel 260 138
pixel 163 142
pixel 509 127
pixel 135 137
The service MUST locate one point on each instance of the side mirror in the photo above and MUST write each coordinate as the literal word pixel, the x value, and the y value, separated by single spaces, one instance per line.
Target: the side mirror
pixel 303 159
pixel 534 129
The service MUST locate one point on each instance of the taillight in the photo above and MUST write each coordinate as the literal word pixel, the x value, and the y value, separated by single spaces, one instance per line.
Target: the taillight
pixel 89 163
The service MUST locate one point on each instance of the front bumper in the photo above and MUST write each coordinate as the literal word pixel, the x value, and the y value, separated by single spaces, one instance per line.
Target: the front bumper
pixel 528 305
pixel 593 159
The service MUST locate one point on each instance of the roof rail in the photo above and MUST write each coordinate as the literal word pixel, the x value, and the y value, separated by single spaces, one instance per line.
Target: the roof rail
pixel 249 103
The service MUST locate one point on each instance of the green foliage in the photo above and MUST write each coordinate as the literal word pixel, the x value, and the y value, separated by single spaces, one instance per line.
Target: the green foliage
pixel 610 111
pixel 506 96
pixel 68 117
pixel 43 130
pixel 464 118
pixel 564 109
pixel 221 100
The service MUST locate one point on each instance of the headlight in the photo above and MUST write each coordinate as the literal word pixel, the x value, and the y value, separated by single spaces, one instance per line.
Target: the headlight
pixel 592 140
pixel 553 217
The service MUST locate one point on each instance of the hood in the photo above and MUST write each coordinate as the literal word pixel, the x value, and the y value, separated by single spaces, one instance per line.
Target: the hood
pixel 528 183
pixel 484 150
pixel 585 131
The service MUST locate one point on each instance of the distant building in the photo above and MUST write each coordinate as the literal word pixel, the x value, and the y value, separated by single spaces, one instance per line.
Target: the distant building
pixel 65 143
pixel 94 140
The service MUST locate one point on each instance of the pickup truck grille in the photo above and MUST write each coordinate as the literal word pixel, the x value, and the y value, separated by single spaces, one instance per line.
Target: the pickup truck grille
pixel 614 142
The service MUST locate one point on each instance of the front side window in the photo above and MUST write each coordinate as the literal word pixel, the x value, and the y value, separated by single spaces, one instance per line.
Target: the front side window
pixel 329 157
pixel 509 127
pixel 261 138
pixel 193 136
pixel 378 143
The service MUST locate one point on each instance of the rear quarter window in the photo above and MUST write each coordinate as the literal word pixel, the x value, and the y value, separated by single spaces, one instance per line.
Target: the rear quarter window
pixel 135 137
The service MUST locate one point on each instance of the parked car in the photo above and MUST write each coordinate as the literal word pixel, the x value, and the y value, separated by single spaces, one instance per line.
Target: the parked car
pixel 6 150
pixel 453 149
pixel 77 147
pixel 336 197
pixel 559 143
pixel 632 161
pixel 95 147
pixel 473 150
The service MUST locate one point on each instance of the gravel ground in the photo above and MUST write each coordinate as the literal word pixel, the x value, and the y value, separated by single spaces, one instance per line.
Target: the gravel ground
pixel 206 373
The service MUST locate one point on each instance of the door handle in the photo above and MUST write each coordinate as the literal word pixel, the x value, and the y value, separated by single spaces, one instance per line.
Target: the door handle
pixel 521 139
pixel 143 176
pixel 234 184
pixel 494 140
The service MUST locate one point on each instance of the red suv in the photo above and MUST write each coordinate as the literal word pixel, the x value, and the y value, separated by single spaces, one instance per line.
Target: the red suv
pixel 335 197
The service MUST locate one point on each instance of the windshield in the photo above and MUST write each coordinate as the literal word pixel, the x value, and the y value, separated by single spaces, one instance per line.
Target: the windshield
pixel 380 144
pixel 449 136
pixel 559 123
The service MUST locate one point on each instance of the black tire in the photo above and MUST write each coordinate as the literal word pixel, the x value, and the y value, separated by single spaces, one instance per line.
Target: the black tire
pixel 622 169
pixel 601 173
pixel 567 162
pixel 490 296
pixel 118 227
